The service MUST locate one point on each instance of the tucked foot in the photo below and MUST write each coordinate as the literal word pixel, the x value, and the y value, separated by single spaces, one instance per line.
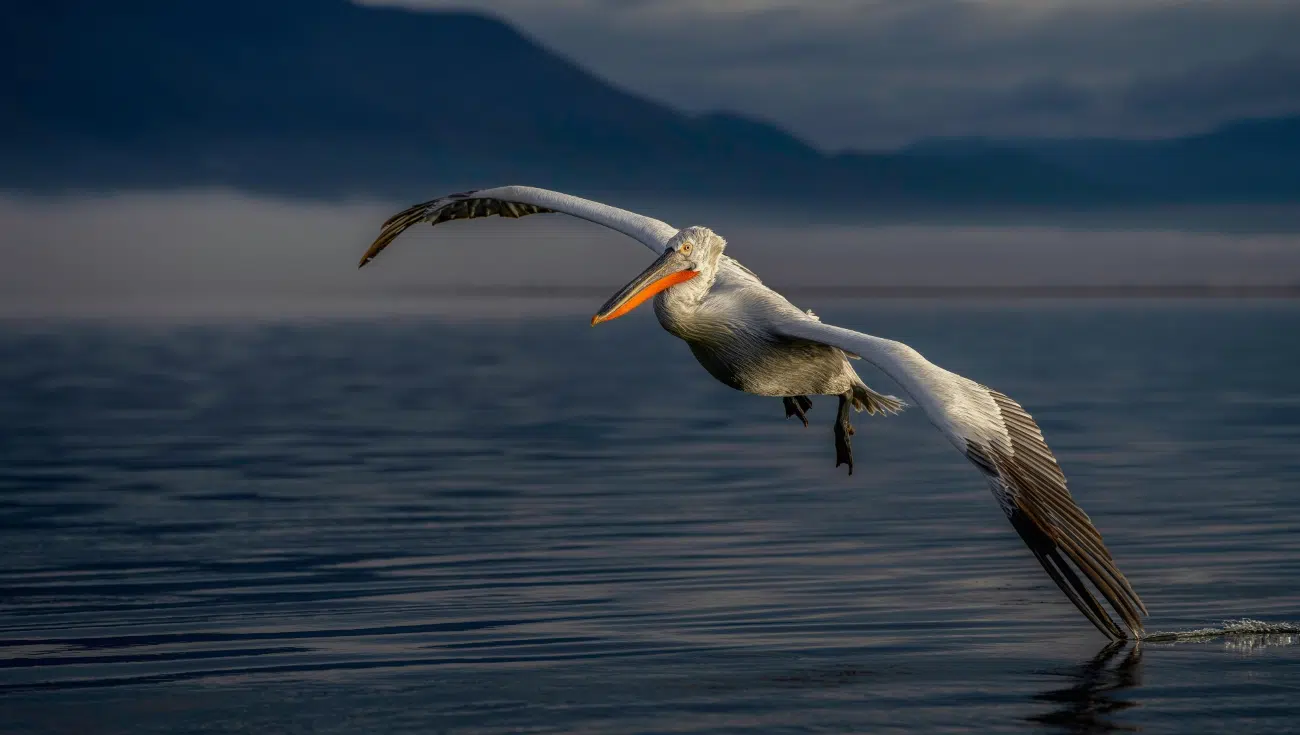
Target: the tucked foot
pixel 843 430
pixel 797 406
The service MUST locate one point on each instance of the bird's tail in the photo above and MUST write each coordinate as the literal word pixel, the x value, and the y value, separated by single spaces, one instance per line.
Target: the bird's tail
pixel 865 399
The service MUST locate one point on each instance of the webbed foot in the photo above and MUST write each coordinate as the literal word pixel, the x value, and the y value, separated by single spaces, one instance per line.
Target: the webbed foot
pixel 797 406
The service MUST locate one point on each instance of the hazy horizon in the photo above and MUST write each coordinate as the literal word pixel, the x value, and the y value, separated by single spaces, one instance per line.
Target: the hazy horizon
pixel 223 253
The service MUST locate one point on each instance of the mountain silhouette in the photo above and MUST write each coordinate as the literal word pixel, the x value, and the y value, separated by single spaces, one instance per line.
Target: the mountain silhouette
pixel 1248 161
pixel 326 98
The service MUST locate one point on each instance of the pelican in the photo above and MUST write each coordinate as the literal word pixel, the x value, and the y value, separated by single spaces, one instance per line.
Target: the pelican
pixel 751 338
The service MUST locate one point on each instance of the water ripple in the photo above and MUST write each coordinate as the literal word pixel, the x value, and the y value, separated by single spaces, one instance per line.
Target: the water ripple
pixel 505 527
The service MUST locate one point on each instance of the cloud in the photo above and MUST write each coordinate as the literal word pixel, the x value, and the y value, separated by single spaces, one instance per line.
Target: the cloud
pixel 877 73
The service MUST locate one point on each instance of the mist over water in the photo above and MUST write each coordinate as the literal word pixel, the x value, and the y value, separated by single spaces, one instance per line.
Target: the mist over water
pixel 416 524
pixel 220 254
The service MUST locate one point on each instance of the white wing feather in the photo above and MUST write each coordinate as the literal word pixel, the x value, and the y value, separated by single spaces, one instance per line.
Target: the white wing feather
pixel 520 201
pixel 1002 440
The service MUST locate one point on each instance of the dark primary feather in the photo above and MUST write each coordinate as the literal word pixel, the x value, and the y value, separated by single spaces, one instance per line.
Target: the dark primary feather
pixel 1053 526
pixel 445 209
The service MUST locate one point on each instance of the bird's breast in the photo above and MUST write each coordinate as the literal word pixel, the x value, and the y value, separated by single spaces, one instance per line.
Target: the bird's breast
pixel 730 339
pixel 768 366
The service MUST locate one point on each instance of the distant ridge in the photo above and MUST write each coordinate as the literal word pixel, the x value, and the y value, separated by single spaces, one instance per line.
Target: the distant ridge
pixel 1248 161
pixel 323 98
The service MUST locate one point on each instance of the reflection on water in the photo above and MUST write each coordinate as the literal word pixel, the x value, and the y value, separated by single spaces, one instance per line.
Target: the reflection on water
pixel 1096 688
pixel 1095 691
pixel 410 525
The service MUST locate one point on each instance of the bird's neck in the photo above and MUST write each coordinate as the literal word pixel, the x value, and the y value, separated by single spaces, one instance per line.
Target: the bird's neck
pixel 677 307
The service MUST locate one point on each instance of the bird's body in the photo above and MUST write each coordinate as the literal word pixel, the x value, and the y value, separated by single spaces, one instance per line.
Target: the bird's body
pixel 752 339
pixel 730 328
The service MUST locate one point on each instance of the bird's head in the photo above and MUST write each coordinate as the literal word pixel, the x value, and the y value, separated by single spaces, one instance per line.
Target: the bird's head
pixel 687 266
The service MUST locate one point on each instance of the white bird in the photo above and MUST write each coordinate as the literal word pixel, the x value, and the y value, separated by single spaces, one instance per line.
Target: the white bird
pixel 752 339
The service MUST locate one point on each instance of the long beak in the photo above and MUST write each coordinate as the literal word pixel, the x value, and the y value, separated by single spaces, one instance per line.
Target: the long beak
pixel 670 269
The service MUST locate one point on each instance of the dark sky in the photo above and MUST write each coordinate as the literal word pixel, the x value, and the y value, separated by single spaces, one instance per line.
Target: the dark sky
pixel 874 73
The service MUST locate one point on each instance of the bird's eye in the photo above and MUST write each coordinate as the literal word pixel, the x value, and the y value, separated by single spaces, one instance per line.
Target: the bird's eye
pixel 685 249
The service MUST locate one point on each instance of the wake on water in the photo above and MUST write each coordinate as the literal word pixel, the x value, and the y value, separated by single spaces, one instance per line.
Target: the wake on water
pixel 1244 633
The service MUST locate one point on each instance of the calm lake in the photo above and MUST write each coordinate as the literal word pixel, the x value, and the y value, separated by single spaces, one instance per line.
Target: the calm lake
pixel 417 524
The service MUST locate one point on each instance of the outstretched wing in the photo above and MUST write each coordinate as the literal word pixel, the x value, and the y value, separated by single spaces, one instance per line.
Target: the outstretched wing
pixel 520 201
pixel 1002 440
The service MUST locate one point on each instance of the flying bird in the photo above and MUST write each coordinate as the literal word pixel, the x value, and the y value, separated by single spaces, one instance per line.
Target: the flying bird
pixel 751 338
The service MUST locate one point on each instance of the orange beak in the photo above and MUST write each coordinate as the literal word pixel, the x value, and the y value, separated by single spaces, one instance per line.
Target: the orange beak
pixel 667 271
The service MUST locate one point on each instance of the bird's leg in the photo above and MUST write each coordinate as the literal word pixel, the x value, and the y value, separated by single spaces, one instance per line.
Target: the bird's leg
pixel 796 406
pixel 844 430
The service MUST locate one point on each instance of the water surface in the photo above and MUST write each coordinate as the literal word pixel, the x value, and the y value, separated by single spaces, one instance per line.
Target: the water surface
pixel 415 525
